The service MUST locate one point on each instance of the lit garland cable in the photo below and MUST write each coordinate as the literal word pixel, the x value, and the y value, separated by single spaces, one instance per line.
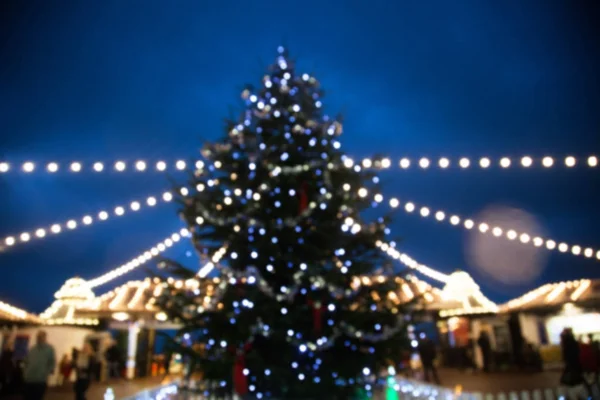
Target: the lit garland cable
pixel 485 227
pixel 75 167
pixel 390 250
pixel 139 260
pixel 86 220
pixel 525 162
pixel 121 166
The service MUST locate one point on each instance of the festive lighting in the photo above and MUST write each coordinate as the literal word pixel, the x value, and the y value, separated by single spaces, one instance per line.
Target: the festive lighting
pixel 10 312
pixel 497 231
pixel 410 263
pixel 138 261
pixel 103 215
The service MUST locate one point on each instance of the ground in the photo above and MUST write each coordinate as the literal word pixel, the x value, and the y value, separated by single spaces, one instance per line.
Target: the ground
pixel 451 378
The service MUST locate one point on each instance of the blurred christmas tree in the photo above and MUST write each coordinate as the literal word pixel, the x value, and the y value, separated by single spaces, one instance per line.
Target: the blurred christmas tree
pixel 302 308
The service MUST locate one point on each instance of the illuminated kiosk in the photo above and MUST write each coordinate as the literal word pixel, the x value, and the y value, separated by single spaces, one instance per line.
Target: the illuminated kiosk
pixel 539 316
pixel 131 309
pixel 11 319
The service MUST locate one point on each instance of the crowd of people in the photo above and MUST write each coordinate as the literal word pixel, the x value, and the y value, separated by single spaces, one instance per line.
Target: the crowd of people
pixel 581 360
pixel 30 375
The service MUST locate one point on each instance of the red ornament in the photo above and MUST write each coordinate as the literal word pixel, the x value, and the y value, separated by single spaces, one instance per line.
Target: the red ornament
pixel 317 316
pixel 240 381
pixel 303 204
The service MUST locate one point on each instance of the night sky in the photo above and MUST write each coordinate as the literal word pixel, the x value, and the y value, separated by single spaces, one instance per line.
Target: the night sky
pixel 127 80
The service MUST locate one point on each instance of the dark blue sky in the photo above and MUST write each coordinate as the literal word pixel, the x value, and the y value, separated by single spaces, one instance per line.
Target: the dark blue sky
pixel 114 80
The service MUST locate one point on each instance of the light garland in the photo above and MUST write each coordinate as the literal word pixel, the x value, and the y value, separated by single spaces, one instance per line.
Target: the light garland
pixel 552 292
pixel 139 260
pixel 485 228
pixel 405 259
pixel 525 162
pixel 16 313
pixel 76 167
pixel 86 220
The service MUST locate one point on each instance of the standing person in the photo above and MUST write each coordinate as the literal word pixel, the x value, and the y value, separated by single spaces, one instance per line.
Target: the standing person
pixel 65 368
pixel 572 374
pixel 84 368
pixel 40 363
pixel 427 354
pixel 486 350
pixel 7 367
pixel 113 358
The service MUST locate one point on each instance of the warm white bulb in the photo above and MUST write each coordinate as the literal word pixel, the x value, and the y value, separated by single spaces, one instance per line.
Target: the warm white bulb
pixel 87 220
pixel 409 207
pixel 525 238
pixel 120 166
pixel 161 166
pixel 592 161
pixel 40 233
pixel 484 162
pixel 444 163
pixel 588 252
pixel 180 165
pixel 10 241
pixel 151 201
pixel 483 227
pixel 135 206
pixel 75 167
pixel 367 163
pixel 464 162
pixel 404 163
pixel 386 163
pixel 98 167
pixel 440 215
pixel 563 247
pixel 140 165
pixel 55 228
pixel 511 234
pixel 469 224
pixel 378 198
pixel 72 224
pixel 576 250
pixel 25 237
pixel 570 161
pixel 550 244
pixel 28 166
pixel 362 192
pixel 547 162
pixel 4 167
pixel 424 163
pixel 119 210
pixel 394 202
pixel 526 161
pixel 424 211
pixel 167 196
pixel 103 215
pixel 505 162
pixel 52 167
pixel 455 220
pixel 497 231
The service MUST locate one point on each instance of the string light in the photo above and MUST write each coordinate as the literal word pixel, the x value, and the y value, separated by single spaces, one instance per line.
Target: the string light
pixel 119 166
pixel 497 231
pixel 405 259
pixel 13 313
pixel 139 260
pixel 89 219
pixel 526 162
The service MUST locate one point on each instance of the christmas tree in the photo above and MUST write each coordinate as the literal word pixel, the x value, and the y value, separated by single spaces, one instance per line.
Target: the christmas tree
pixel 304 305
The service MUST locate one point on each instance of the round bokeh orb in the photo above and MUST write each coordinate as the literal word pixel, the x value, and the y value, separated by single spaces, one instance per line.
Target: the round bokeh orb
pixel 503 252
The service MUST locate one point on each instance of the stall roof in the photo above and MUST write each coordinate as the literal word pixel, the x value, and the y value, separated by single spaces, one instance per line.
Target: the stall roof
pixel 555 295
pixel 12 314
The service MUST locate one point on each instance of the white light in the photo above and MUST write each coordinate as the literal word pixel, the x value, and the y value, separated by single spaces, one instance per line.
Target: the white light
pixel 497 231
pixel 511 234
pixel 167 196
pixel 505 162
pixel 140 165
pixel 464 162
pixel 71 224
pixel 409 207
pixel 526 161
pixel 87 220
pixel 538 241
pixel 362 192
pixel 284 311
pixel 404 163
pixel 444 163
pixel 455 220
pixel 547 162
pixel 394 202
pixel 563 247
pixel 4 167
pixel 180 165
pixel 525 238
pixel 386 163
pixel 40 233
pixel 550 244
pixel 28 166
pixel 98 167
pixel 151 201
pixel 378 198
pixel 348 162
pixel 424 211
pixel 120 166
pixel 75 167
pixel 483 227
pixel 424 163
pixel 592 161
pixel 570 161
pixel 119 210
pixel 161 165
pixel 484 162
pixel 10 241
pixel 469 224
pixel 52 167
pixel 576 250
pixel 135 206
pixel 55 228
pixel 366 371
pixel 103 215
pixel 25 237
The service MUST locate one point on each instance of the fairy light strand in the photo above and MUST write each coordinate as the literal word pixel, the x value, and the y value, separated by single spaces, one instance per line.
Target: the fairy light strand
pixel 484 227
pixel 86 220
